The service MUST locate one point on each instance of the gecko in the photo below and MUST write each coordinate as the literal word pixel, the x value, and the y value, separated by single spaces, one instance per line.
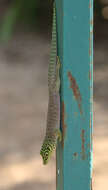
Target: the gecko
pixel 53 133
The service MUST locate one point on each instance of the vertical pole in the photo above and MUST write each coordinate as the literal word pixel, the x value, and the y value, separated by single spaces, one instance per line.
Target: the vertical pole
pixel 75 48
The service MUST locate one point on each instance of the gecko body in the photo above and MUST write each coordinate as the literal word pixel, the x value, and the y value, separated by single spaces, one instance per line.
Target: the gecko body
pixel 53 117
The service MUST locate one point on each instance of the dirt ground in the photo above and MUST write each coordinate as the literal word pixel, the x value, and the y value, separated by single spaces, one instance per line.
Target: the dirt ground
pixel 23 105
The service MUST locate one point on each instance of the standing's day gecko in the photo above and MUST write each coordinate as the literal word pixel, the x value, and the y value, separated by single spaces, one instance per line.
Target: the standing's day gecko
pixel 53 132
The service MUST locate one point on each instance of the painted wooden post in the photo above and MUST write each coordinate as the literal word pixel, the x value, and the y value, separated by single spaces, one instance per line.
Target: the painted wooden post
pixel 75 48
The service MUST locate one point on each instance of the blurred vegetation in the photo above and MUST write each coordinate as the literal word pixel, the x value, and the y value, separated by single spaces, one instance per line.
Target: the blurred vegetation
pixel 97 9
pixel 23 11
pixel 26 11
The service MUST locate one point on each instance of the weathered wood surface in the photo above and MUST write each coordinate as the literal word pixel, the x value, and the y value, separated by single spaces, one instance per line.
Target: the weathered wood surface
pixel 75 48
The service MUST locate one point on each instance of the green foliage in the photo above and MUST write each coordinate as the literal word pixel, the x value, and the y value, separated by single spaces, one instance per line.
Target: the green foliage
pixel 9 21
pixel 97 8
pixel 19 10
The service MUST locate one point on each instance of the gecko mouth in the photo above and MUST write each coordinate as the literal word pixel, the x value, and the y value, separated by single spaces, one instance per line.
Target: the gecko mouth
pixel 45 156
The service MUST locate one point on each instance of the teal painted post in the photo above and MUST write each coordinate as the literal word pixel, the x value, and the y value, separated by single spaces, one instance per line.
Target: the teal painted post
pixel 75 48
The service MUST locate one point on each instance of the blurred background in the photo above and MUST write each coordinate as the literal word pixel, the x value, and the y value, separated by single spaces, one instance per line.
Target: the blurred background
pixel 25 32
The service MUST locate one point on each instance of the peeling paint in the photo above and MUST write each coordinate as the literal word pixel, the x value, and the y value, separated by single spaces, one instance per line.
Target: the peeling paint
pixel 90 48
pixel 90 124
pixel 83 144
pixel 91 22
pixel 89 75
pixel 75 156
pixel 76 91
pixel 63 124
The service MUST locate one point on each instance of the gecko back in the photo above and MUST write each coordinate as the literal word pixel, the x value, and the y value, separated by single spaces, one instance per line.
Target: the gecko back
pixel 53 116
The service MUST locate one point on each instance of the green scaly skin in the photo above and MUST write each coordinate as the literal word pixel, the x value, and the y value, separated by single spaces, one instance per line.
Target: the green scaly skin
pixel 53 117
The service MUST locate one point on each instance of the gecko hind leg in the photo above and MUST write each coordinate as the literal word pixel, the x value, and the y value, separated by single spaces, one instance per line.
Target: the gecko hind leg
pixel 58 134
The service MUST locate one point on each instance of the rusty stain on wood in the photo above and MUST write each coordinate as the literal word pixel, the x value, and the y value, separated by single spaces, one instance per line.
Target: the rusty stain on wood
pixel 75 156
pixel 89 75
pixel 91 22
pixel 90 124
pixel 63 124
pixel 76 91
pixel 83 144
pixel 90 48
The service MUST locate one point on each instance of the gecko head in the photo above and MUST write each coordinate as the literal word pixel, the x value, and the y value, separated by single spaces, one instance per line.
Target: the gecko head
pixel 46 151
